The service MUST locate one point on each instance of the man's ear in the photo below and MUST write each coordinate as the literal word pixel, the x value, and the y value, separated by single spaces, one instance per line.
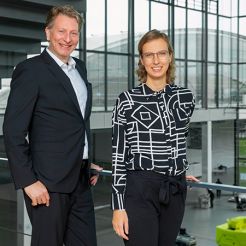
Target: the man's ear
pixel 47 33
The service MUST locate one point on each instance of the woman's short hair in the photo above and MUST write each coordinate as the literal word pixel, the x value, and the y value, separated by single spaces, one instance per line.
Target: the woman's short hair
pixel 67 10
pixel 147 37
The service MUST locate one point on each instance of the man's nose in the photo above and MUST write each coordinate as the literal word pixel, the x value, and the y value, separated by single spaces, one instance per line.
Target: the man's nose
pixel 67 37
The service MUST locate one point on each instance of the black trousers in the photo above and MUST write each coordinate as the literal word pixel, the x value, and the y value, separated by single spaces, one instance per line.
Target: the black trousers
pixel 69 219
pixel 155 207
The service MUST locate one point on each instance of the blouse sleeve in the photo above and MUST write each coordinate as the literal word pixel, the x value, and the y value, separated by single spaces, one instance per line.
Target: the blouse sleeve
pixel 191 110
pixel 120 150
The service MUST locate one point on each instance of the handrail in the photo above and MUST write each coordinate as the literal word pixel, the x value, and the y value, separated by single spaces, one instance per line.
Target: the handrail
pixel 215 186
pixel 206 185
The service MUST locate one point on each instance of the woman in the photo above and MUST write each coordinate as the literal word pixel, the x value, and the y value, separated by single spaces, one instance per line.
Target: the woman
pixel 150 125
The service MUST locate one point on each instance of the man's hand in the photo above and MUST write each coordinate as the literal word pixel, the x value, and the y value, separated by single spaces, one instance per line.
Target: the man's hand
pixel 38 193
pixel 94 178
pixel 120 223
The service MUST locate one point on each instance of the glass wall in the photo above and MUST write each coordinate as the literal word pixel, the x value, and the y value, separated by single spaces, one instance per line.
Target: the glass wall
pixel 210 55
pixel 209 52
pixel 206 50
pixel 242 152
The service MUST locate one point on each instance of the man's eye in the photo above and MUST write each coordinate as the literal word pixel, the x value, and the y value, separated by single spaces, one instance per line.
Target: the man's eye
pixel 148 54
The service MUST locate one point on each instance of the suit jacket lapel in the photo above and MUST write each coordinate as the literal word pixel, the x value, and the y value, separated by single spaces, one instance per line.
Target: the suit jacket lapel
pixel 89 92
pixel 89 101
pixel 61 77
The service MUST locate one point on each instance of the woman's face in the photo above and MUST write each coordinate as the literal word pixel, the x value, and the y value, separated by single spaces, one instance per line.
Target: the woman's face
pixel 156 59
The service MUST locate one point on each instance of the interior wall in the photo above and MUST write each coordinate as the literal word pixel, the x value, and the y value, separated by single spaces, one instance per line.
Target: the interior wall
pixel 102 150
pixel 223 143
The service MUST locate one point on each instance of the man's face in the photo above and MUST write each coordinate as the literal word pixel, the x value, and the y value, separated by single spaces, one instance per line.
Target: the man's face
pixel 63 36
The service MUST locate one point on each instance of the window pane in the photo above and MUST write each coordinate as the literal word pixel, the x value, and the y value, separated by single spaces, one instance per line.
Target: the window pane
pixel 141 20
pixel 179 33
pixel 242 154
pixel 224 40
pixel 194 81
pixel 117 78
pixel 194 149
pixel 242 84
pixel 195 4
pixel 95 73
pixel 212 6
pixel 136 82
pixel 234 88
pixel 95 30
pixel 194 35
pixel 224 85
pixel 180 73
pixel 242 7
pixel 242 43
pixel 225 7
pixel 163 1
pixel 234 8
pixel 159 16
pixel 4 94
pixel 117 22
pixel 211 85
pixel 234 38
pixel 212 33
pixel 180 2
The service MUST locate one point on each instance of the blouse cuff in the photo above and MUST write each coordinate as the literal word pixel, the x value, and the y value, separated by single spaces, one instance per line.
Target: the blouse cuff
pixel 118 201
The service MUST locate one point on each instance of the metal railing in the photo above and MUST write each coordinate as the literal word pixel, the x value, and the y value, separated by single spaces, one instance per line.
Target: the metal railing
pixel 206 185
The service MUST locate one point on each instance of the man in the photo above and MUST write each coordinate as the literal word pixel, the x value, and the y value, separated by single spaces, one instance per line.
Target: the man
pixel 218 191
pixel 211 197
pixel 46 133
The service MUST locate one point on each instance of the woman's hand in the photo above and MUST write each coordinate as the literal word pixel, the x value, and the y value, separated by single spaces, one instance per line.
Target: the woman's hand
pixel 192 178
pixel 120 223
pixel 94 178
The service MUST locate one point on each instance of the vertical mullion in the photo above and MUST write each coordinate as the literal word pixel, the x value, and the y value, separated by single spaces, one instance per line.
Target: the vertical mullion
pixel 106 57
pixel 205 57
pixel 186 46
pixel 236 122
pixel 131 43
pixel 217 58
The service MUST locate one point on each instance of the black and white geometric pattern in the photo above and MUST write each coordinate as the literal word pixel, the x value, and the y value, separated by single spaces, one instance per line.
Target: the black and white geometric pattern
pixel 149 133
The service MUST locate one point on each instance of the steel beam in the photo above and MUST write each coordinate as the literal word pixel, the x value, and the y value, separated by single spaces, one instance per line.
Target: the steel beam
pixel 79 5
pixel 21 45
pixel 11 58
pixel 20 29
pixel 6 71
pixel 22 12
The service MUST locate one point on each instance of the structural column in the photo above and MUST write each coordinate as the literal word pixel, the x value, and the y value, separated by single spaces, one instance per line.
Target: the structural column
pixel 24 227
pixel 207 151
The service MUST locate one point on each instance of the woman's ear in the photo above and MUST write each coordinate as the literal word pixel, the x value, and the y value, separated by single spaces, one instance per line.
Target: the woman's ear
pixel 170 58
pixel 141 61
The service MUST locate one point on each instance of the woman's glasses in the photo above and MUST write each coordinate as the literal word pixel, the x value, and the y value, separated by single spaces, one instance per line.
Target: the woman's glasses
pixel 162 55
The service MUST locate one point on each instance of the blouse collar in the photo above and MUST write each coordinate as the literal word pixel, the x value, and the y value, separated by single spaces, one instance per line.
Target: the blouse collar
pixel 148 91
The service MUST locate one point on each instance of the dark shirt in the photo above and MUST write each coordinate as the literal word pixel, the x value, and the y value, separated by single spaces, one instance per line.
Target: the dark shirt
pixel 149 133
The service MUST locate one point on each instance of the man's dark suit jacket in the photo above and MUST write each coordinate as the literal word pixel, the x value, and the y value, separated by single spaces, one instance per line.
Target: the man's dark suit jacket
pixel 42 103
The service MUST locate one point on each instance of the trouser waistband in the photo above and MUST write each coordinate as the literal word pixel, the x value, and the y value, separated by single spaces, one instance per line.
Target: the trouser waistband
pixel 84 163
pixel 168 184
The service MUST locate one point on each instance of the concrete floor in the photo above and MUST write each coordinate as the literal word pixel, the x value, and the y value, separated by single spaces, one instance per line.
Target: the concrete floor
pixel 198 222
